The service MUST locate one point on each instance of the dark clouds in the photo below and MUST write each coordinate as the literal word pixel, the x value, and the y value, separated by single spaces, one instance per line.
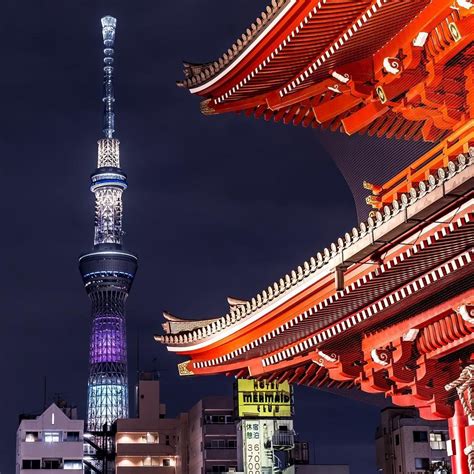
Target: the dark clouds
pixel 217 206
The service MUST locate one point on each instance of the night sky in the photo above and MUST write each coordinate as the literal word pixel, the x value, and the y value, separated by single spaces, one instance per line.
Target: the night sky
pixel 217 206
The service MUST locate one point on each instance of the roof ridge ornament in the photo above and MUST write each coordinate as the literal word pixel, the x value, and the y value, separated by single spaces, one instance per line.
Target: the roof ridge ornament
pixel 235 301
pixel 170 317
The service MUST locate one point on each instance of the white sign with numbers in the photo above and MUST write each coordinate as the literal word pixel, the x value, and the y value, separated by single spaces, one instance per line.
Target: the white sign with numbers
pixel 258 453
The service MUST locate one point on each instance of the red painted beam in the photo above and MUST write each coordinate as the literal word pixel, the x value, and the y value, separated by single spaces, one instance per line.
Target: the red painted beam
pixel 363 117
pixel 457 425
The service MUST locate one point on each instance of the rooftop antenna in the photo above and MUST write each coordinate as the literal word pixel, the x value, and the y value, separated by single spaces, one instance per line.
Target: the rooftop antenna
pixel 138 354
pixel 109 24
pixel 44 392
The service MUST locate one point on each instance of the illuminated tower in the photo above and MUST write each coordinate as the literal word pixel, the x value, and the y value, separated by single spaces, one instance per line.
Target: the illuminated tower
pixel 108 270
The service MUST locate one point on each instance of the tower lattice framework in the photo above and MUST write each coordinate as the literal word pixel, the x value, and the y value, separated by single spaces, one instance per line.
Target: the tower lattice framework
pixel 108 271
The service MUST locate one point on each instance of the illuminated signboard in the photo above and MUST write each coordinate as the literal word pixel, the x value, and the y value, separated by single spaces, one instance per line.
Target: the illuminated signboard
pixel 260 399
pixel 257 442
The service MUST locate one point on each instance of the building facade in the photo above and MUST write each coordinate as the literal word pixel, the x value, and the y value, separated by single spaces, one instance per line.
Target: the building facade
pixel 407 444
pixel 49 442
pixel 201 441
pixel 108 270
pixel 150 443
pixel 212 436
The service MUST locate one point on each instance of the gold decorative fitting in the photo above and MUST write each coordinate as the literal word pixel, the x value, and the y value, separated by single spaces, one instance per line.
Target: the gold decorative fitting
pixel 375 188
pixel 372 201
pixel 454 32
pixel 206 109
pixel 381 94
pixel 183 370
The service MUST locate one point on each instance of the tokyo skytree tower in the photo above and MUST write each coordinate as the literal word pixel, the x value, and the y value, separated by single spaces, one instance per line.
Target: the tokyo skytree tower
pixel 108 270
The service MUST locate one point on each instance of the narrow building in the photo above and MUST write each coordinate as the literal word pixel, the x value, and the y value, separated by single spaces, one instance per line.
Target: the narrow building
pixel 150 443
pixel 212 436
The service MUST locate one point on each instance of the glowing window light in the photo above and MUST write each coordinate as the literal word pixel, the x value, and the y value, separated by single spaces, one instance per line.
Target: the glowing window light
pixel 72 464
pixel 31 437
pixel 51 437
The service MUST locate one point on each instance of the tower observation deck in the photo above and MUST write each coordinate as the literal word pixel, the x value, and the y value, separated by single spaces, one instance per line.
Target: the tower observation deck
pixel 108 270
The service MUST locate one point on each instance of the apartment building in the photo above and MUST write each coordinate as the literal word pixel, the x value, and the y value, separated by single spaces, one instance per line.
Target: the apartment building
pixel 212 436
pixel 50 442
pixel 150 443
pixel 407 444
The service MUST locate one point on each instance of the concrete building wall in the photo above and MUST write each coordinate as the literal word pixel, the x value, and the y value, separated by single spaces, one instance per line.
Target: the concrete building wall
pixel 150 443
pixel 51 439
pixel 149 402
pixel 406 444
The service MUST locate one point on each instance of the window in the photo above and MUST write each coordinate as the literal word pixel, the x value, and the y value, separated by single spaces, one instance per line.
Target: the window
pixel 152 438
pixel 420 437
pixel 219 469
pixel 397 440
pixel 31 464
pixel 221 444
pixel 222 419
pixel 167 440
pixel 51 464
pixel 166 462
pixel 72 436
pixel 31 436
pixel 437 441
pixel 51 437
pixel 422 463
pixel 72 464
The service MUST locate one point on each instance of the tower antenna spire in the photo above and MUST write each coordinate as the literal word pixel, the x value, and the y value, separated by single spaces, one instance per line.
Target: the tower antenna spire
pixel 109 23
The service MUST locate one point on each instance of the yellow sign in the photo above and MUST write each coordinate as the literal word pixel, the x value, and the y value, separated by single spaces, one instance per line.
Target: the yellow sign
pixel 261 399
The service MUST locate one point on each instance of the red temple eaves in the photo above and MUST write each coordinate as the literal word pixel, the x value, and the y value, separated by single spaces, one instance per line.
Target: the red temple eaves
pixel 379 67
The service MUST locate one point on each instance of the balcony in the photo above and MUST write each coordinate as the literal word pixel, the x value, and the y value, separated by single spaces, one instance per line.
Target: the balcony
pixel 149 469
pixel 221 454
pixel 283 440
pixel 219 429
pixel 40 449
pixel 144 449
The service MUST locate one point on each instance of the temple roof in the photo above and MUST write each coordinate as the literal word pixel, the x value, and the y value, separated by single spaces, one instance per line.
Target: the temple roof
pixel 357 245
pixel 387 67
pixel 325 26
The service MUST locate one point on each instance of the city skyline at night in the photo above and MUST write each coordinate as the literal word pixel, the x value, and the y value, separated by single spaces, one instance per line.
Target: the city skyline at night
pixel 216 207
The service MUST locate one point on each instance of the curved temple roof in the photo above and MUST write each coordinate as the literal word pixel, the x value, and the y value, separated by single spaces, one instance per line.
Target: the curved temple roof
pixel 358 67
pixel 356 246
